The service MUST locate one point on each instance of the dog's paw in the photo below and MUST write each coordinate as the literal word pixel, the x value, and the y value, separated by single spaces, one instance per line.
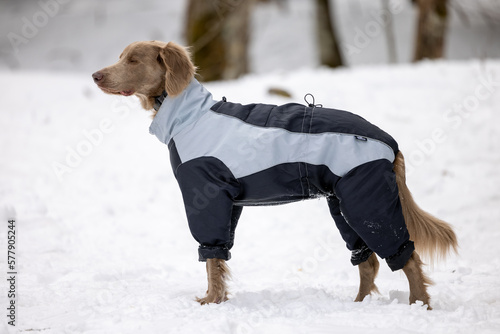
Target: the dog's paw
pixel 212 299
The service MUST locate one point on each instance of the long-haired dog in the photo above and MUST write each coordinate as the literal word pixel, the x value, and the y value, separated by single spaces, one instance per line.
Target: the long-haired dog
pixel 227 155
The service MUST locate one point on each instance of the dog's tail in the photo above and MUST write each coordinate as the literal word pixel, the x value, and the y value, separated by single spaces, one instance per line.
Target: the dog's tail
pixel 433 237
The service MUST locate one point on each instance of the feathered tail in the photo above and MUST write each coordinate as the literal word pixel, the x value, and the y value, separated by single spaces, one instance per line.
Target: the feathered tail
pixel 433 237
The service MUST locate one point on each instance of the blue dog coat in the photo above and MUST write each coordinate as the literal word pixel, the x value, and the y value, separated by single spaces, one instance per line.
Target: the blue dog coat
pixel 227 155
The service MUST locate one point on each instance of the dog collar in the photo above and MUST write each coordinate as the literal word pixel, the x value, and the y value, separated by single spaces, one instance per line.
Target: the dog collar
pixel 159 100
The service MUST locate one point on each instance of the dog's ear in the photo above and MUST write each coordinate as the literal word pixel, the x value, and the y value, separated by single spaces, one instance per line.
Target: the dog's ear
pixel 180 69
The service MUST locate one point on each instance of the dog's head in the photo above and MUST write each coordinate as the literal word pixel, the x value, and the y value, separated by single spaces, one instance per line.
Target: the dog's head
pixel 145 69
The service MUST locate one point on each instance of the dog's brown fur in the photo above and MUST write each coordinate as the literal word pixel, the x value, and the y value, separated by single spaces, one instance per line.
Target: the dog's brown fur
pixel 433 237
pixel 145 69
pixel 417 280
pixel 368 271
pixel 217 273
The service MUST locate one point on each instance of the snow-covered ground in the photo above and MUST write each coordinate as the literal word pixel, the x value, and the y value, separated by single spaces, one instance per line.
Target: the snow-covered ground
pixel 103 244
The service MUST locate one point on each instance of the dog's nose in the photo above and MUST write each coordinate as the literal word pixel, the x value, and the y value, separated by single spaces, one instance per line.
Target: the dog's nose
pixel 97 76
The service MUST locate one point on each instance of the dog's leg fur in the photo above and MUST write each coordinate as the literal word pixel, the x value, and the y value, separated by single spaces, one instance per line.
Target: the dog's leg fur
pixel 217 273
pixel 368 270
pixel 418 280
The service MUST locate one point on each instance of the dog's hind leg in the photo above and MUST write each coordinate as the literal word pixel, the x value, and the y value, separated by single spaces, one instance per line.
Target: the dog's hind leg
pixel 367 272
pixel 217 273
pixel 418 280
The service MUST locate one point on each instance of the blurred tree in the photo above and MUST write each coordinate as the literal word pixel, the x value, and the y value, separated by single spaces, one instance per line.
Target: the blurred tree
pixel 329 50
pixel 218 33
pixel 431 29
pixel 389 33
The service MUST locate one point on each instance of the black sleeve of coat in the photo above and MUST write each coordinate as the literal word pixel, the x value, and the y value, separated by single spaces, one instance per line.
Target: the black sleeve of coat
pixel 208 189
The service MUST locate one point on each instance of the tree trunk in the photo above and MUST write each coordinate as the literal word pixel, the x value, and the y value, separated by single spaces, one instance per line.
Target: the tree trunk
pixel 328 47
pixel 218 32
pixel 431 30
pixel 389 34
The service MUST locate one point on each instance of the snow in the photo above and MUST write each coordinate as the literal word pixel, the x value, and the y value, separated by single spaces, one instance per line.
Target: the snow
pixel 103 244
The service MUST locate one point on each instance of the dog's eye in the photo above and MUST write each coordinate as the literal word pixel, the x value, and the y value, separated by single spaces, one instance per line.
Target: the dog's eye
pixel 133 61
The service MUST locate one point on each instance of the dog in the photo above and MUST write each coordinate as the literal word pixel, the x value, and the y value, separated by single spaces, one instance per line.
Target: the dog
pixel 226 156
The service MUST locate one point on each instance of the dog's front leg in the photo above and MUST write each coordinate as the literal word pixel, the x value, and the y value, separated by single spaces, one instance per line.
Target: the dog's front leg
pixel 217 274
